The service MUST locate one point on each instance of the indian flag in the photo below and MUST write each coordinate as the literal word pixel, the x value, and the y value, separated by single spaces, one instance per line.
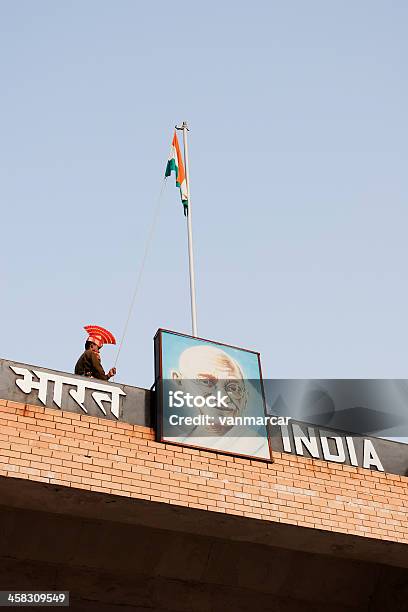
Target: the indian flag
pixel 175 164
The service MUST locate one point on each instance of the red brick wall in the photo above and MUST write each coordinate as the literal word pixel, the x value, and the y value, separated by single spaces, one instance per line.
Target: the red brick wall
pixel 99 455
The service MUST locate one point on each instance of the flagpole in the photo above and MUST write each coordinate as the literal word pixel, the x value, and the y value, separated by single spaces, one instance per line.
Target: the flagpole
pixel 184 128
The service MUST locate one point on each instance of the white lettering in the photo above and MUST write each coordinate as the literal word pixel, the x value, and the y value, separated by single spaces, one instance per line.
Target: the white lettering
pixel 370 456
pixel 178 396
pixel 287 447
pixel 101 392
pixel 211 401
pixel 339 456
pixel 252 421
pixel 200 419
pixel 310 443
pixel 222 400
pixel 351 450
pixel 179 399
pixel 199 401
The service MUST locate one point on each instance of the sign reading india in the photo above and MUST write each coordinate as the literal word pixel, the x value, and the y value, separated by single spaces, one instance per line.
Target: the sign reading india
pixel 313 442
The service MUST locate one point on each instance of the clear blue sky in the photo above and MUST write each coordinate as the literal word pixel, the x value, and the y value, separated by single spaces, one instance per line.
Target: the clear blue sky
pixel 298 144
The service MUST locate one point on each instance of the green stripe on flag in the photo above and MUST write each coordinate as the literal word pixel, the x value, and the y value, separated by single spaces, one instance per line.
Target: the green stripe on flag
pixel 171 166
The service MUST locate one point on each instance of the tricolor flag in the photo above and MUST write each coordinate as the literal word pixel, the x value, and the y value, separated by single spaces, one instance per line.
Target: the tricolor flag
pixel 175 164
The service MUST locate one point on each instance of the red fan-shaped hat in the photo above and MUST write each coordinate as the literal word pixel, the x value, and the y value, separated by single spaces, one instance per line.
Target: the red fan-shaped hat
pixel 99 335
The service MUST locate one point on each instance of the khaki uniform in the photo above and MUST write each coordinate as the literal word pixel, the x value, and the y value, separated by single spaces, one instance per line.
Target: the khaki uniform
pixel 89 365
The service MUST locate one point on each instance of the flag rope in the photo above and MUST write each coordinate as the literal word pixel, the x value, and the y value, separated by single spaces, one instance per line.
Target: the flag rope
pixel 142 266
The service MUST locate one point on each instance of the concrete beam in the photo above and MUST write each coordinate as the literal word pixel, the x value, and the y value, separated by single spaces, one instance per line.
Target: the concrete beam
pixel 67 501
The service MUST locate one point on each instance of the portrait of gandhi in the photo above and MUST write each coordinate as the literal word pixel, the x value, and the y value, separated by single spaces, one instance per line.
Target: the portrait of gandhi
pixel 206 371
pixel 195 369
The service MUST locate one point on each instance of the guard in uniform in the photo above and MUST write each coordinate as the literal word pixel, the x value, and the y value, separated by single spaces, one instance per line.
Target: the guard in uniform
pixel 89 363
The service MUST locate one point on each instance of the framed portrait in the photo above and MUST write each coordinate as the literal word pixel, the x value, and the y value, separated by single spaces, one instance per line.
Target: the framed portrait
pixel 210 395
